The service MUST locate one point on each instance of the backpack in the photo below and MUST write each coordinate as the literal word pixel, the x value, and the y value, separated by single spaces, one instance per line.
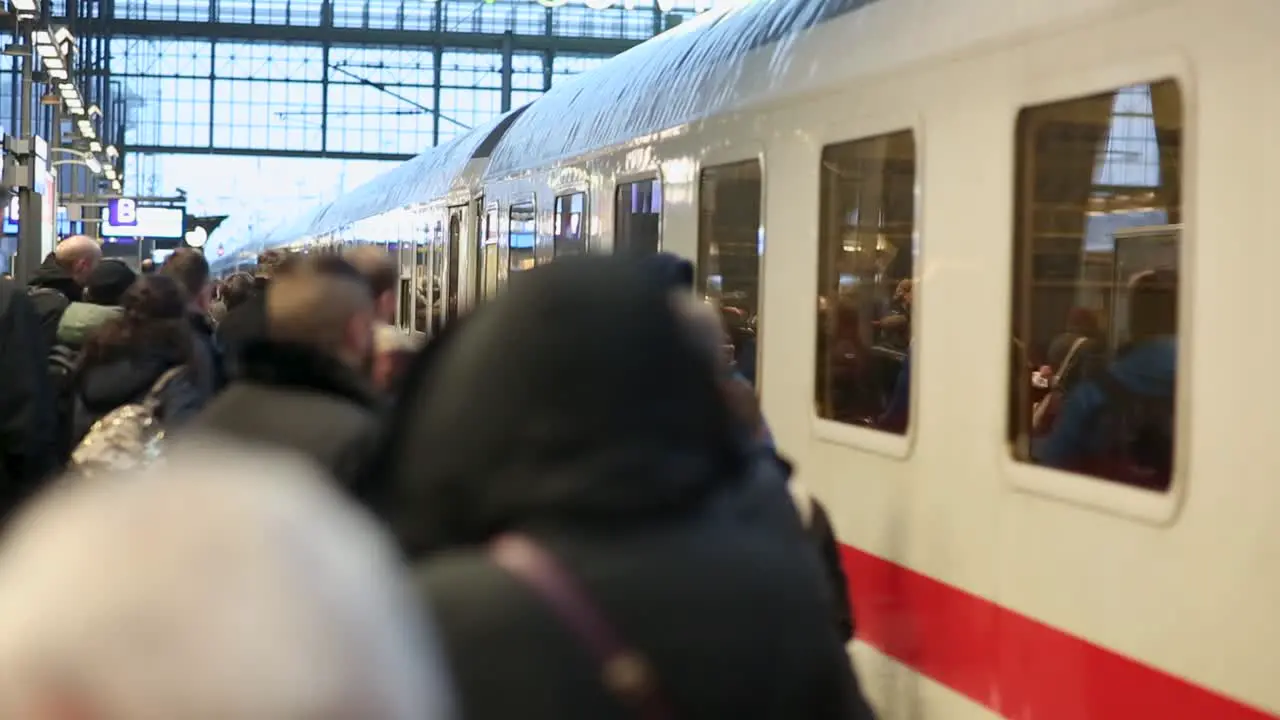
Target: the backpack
pixel 129 437
pixel 1139 431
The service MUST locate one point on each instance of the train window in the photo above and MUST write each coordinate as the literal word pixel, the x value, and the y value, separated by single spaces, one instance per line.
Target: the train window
pixel 1095 285
pixel 523 237
pixel 729 248
pixel 638 212
pixel 570 238
pixel 487 268
pixel 865 265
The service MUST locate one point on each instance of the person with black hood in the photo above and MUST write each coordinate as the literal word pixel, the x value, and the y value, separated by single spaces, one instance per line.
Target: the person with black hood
pixel 247 322
pixel 99 303
pixel 306 386
pixel 27 424
pixel 60 281
pixel 574 487
pixel 191 270
pixel 124 360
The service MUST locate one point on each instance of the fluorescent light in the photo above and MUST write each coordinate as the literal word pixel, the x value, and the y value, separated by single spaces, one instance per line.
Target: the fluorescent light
pixel 88 134
pixel 54 63
pixel 110 172
pixel 24 5
pixel 68 90
pixel 115 185
pixel 94 110
pixel 42 37
pixel 112 152
pixel 63 35
pixel 73 102
pixel 58 73
pixel 77 110
pixel 94 166
pixel 95 146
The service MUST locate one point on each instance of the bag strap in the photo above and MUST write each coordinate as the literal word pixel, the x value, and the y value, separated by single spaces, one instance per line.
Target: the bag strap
pixel 153 399
pixel 1071 356
pixel 625 672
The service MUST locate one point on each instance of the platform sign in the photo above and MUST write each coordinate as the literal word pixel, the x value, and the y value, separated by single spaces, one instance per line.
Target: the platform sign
pixel 122 212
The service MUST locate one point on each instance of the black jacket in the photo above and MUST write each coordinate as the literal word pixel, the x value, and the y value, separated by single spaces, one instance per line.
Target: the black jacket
pixel 299 399
pixel 577 410
pixel 27 433
pixel 243 325
pixel 209 353
pixel 128 377
pixel 51 291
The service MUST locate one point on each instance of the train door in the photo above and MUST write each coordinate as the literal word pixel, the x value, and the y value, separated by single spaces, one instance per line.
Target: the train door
pixel 425 233
pixel 404 255
pixel 451 252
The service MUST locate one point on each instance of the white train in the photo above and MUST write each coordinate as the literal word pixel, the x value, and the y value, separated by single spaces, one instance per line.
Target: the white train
pixel 1019 159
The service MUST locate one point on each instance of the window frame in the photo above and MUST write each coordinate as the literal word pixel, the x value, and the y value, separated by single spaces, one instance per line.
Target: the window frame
pixel 714 161
pixel 1098 494
pixel 877 442
pixel 631 179
pixel 529 201
pixel 583 227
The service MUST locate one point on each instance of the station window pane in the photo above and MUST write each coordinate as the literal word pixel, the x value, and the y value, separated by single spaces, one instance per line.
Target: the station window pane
pixel 523 237
pixel 865 266
pixel 730 243
pixel 1095 284
pixel 570 237
pixel 637 218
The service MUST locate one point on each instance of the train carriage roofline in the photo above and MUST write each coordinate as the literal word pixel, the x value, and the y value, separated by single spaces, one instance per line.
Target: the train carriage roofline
pixel 425 178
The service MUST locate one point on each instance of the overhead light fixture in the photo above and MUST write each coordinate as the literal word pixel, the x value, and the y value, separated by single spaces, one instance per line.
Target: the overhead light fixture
pixel 53 63
pixel 65 41
pixel 73 102
pixel 68 90
pixel 95 166
pixel 24 6
pixel 110 172
pixel 112 152
pixel 95 146
pixel 115 185
pixel 95 111
pixel 42 37
pixel 89 134
pixel 57 73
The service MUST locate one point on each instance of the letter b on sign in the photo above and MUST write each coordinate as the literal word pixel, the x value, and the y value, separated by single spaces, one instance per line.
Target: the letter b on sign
pixel 122 212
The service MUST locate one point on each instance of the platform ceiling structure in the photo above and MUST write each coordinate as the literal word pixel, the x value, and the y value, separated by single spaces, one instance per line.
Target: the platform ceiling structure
pixel 244 101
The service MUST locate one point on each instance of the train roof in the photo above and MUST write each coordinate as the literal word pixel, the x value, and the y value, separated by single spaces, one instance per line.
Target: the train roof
pixel 631 96
pixel 426 177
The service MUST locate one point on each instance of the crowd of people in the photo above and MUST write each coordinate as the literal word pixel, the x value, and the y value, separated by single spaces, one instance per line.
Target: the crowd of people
pixel 543 513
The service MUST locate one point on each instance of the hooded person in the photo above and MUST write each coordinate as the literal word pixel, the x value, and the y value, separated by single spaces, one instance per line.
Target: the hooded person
pixel 607 447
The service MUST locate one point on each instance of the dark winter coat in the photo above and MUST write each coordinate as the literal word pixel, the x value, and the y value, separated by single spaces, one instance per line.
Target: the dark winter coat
pixel 127 377
pixel 27 432
pixel 609 443
pixel 208 353
pixel 52 289
pixel 296 398
pixel 242 326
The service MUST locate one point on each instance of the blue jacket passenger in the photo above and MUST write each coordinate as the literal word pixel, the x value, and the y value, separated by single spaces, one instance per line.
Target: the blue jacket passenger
pixel 1148 368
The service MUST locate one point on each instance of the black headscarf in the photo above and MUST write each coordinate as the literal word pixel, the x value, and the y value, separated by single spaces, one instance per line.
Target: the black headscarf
pixel 577 398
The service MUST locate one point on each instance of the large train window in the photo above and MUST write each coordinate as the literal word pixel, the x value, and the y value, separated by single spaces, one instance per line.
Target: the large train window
pixel 730 243
pixel 638 213
pixel 865 265
pixel 1095 285
pixel 523 237
pixel 570 237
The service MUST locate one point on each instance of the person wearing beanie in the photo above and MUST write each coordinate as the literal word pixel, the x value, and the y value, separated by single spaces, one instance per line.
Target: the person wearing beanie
pixel 101 302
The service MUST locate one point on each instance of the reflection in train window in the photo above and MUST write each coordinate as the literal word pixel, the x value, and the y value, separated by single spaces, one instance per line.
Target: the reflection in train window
pixel 864 281
pixel 487 268
pixel 729 250
pixel 1095 285
pixel 523 237
pixel 570 238
pixel 638 211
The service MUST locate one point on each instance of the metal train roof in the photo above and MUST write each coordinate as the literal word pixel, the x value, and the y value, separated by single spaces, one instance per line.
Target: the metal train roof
pixel 426 177
pixel 631 95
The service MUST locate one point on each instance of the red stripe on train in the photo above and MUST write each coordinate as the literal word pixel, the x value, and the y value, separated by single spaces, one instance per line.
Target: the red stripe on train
pixel 1014 665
